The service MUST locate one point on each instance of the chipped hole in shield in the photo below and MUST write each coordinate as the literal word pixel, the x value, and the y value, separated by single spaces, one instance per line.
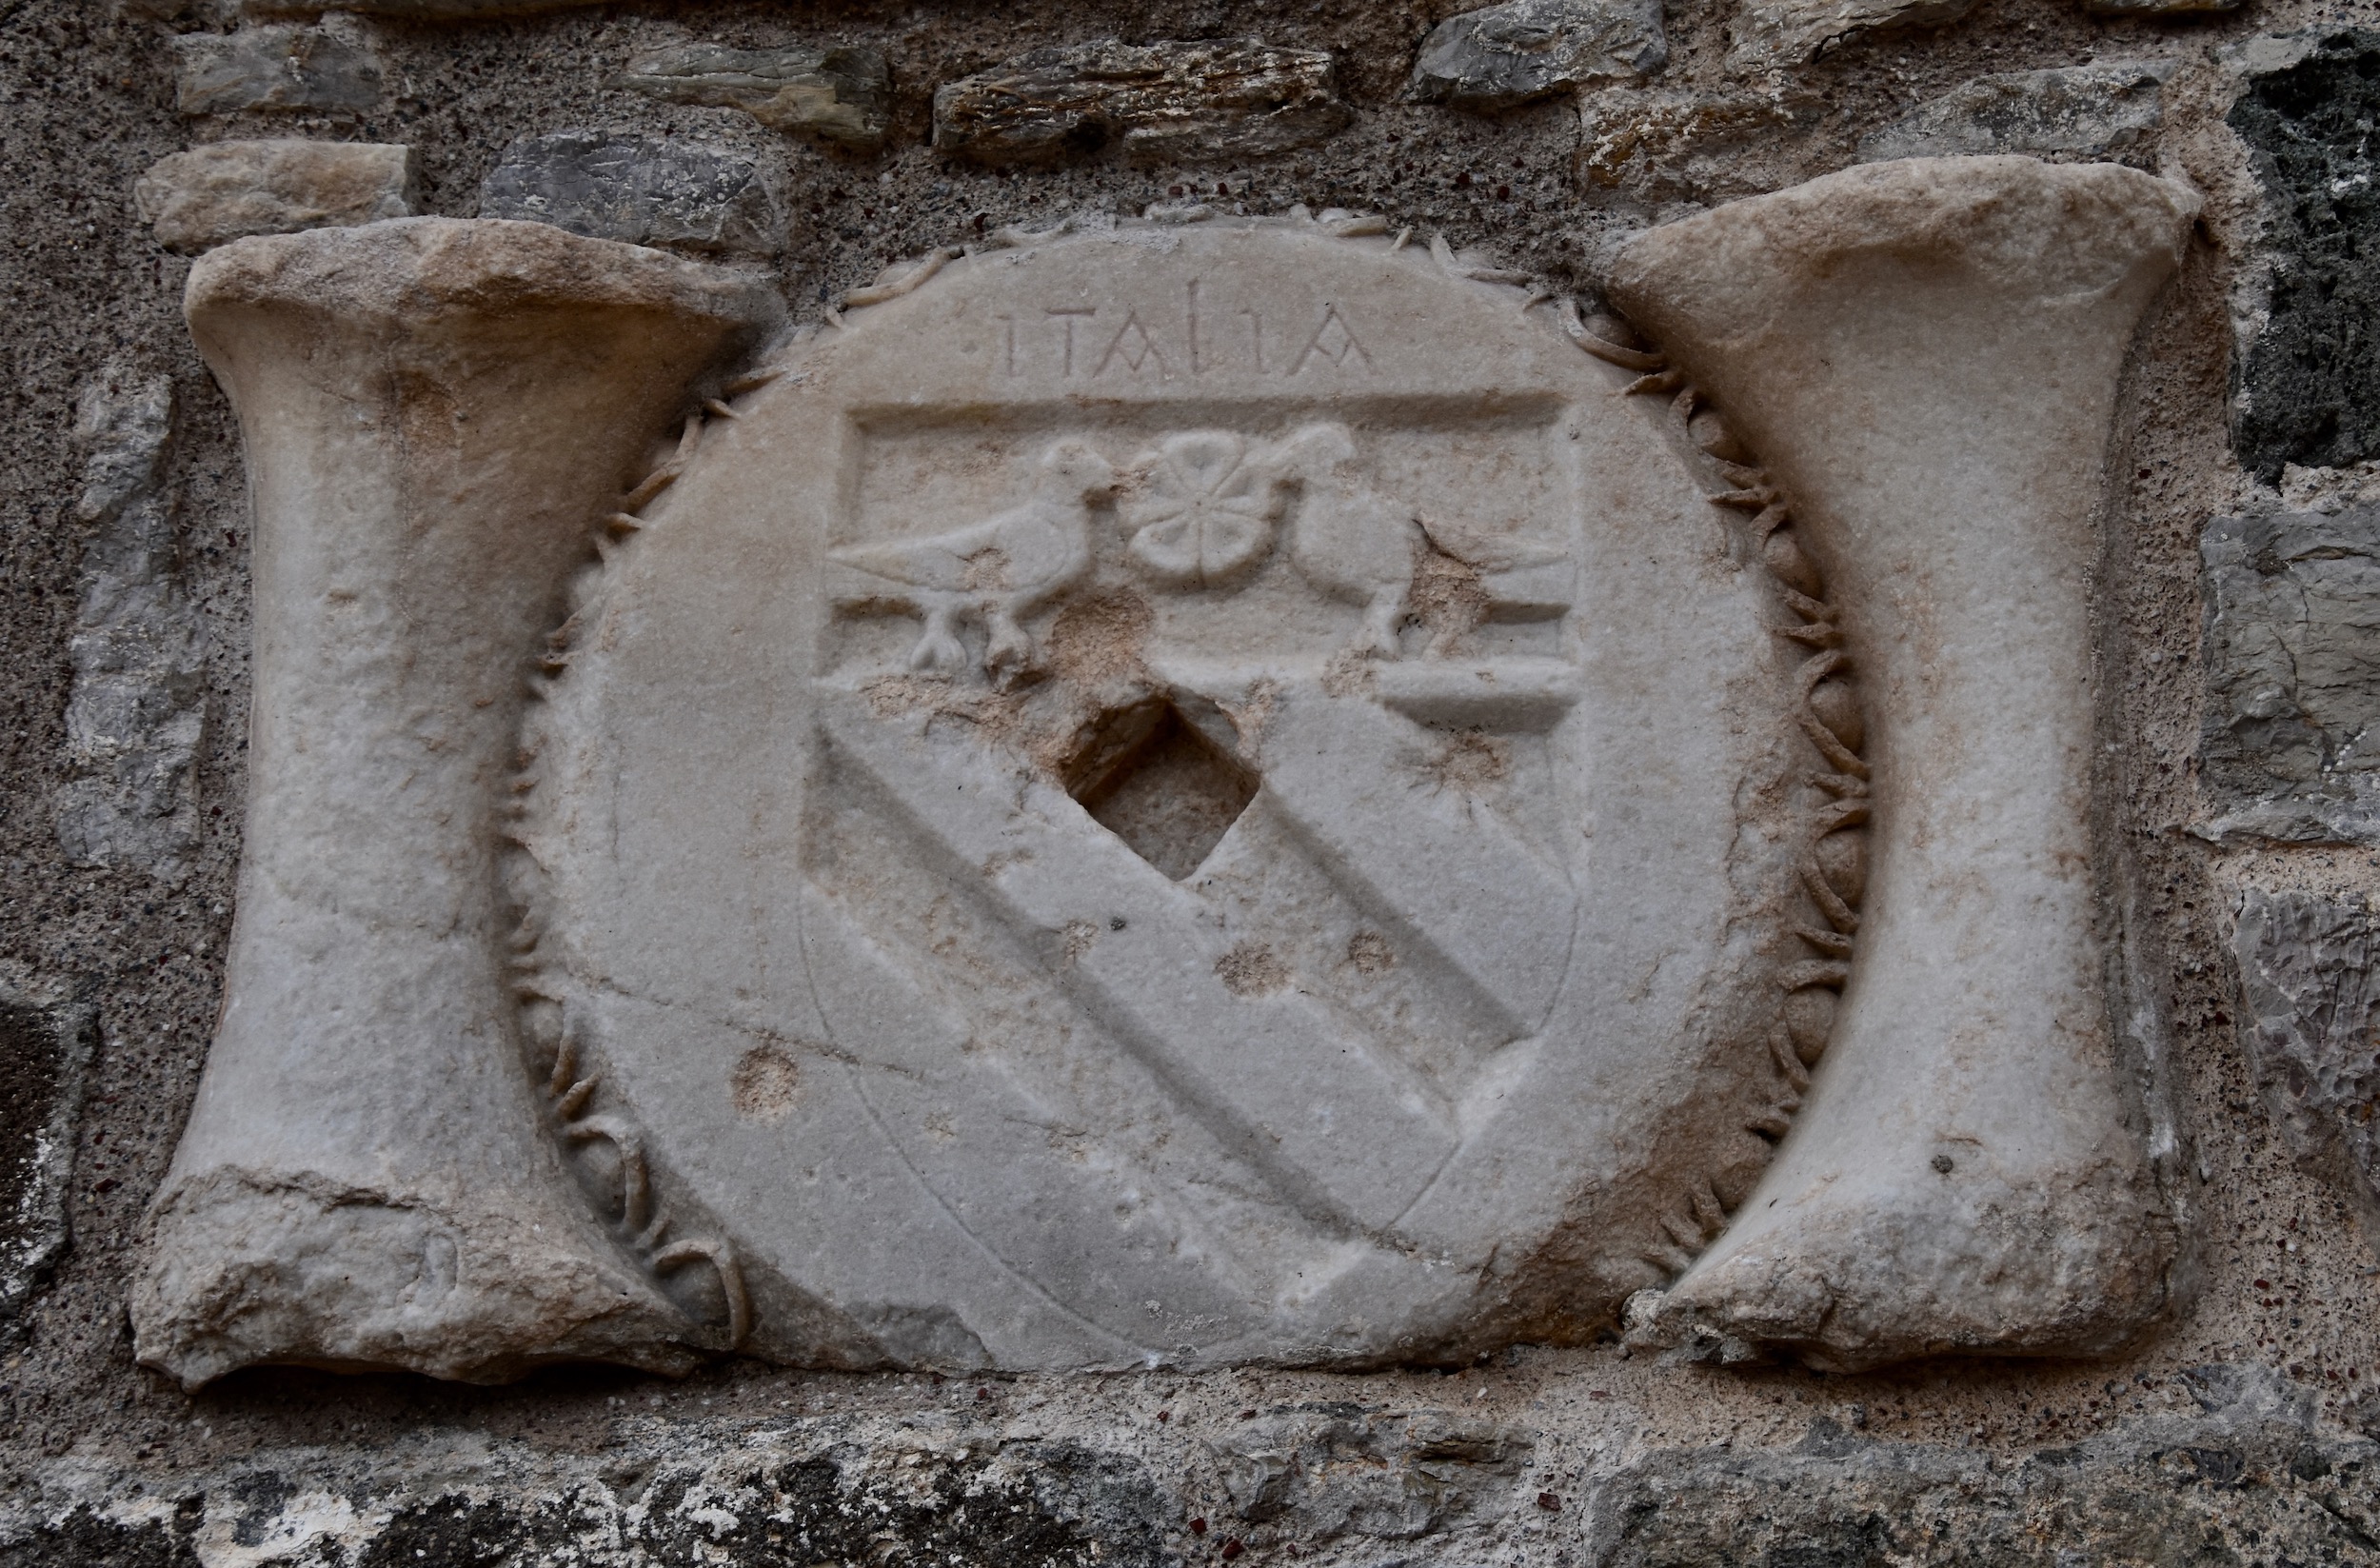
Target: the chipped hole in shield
pixel 1157 782
pixel 764 1084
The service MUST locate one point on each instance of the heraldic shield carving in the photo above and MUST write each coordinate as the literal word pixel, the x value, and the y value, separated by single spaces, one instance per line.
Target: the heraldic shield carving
pixel 1175 794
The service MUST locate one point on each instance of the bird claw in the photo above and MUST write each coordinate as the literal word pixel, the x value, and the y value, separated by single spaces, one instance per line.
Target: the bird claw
pixel 1379 639
pixel 937 654
pixel 938 651
pixel 1008 663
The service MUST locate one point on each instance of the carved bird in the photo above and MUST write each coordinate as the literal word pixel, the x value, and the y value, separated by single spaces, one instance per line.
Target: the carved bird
pixel 997 569
pixel 1350 540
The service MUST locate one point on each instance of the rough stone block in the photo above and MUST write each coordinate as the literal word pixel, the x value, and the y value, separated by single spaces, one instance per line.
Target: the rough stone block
pixel 2106 110
pixel 2251 1475
pixel 2309 975
pixel 840 95
pixel 2253 1479
pixel 124 424
pixel 799 1493
pixel 1337 1470
pixel 418 11
pixel 227 190
pixel 274 68
pixel 1661 143
pixel 1767 33
pixel 1503 56
pixel 2307 394
pixel 1163 103
pixel 45 1048
pixel 639 190
pixel 137 714
pixel 2289 737
pixel 2160 8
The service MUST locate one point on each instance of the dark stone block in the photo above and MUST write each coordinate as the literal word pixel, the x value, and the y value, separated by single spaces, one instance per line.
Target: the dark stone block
pixel 1515 54
pixel 84 1538
pixel 640 189
pixel 2109 109
pixel 1046 1504
pixel 2161 7
pixel 2309 385
pixel 807 1511
pixel 44 1053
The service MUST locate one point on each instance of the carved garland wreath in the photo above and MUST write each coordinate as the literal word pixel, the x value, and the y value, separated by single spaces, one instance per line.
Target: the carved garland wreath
pixel 1832 860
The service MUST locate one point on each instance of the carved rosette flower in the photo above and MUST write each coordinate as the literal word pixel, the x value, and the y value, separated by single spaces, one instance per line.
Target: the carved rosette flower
pixel 1206 512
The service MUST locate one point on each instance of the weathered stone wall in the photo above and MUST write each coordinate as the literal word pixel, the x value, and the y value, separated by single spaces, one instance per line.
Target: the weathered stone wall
pixel 2239 640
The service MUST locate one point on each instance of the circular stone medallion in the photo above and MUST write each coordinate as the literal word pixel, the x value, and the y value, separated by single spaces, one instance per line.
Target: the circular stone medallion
pixel 1177 795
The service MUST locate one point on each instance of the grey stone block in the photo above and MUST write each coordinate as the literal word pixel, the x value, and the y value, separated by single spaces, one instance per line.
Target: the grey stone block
pixel 2248 1480
pixel 274 68
pixel 2306 390
pixel 659 1496
pixel 418 10
pixel 227 190
pixel 640 189
pixel 124 423
pixel 2307 977
pixel 137 715
pixel 2101 110
pixel 840 95
pixel 1503 56
pixel 2160 8
pixel 1328 1470
pixel 1771 34
pixel 1163 102
pixel 2289 737
pixel 45 1050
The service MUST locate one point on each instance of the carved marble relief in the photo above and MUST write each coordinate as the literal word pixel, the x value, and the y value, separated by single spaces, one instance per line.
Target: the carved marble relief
pixel 1241 791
